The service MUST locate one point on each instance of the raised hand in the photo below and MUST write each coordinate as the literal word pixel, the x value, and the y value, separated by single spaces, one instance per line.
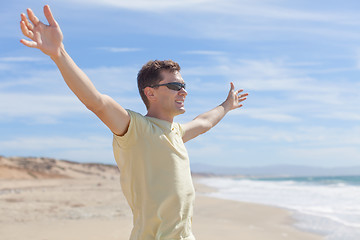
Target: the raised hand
pixel 235 98
pixel 47 38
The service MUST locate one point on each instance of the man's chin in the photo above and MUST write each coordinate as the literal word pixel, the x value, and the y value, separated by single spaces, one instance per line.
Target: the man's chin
pixel 181 111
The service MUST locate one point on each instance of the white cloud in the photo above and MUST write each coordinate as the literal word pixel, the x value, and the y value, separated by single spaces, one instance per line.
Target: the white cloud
pixel 114 79
pixel 84 149
pixel 42 95
pixel 117 49
pixel 276 10
pixel 325 156
pixel 50 108
pixel 46 80
pixel 41 108
pixel 341 115
pixel 263 75
pixel 211 149
pixel 233 143
pixel 144 5
pixel 280 91
pixel 22 59
pixel 108 79
pixel 235 20
pixel 267 114
pixel 204 52
pixel 357 58
pixel 301 135
pixel 5 66
pixel 238 20
pixel 56 142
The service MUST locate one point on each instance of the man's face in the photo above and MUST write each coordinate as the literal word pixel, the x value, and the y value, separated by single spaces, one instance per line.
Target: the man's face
pixel 171 101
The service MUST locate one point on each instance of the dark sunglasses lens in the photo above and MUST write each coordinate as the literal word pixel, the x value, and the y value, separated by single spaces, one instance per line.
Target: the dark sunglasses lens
pixel 175 86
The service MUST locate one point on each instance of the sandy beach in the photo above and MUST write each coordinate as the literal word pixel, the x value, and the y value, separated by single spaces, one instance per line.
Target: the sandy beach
pixel 92 206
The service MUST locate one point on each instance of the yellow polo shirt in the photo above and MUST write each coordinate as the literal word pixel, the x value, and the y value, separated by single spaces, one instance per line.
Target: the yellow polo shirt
pixel 155 178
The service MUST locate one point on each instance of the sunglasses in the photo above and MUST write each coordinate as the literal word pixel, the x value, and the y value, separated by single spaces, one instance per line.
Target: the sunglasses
pixel 176 86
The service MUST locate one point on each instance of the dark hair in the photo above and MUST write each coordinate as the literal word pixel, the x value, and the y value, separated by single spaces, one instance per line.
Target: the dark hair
pixel 150 74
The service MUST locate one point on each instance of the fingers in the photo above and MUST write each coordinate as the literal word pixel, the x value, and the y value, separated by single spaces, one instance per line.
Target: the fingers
pixel 27 23
pixel 25 30
pixel 241 99
pixel 239 91
pixel 232 87
pixel 237 96
pixel 32 17
pixel 28 27
pixel 243 95
pixel 27 43
pixel 49 16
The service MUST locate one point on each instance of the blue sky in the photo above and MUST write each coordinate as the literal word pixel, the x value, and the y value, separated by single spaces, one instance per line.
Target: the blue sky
pixel 299 61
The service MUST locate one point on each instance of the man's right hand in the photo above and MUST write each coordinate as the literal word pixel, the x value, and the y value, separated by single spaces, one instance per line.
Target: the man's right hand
pixel 47 38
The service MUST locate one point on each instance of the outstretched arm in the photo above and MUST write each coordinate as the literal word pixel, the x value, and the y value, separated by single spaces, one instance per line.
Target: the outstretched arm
pixel 48 38
pixel 204 122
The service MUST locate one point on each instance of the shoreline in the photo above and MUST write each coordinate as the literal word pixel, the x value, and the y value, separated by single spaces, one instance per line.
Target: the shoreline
pixel 273 221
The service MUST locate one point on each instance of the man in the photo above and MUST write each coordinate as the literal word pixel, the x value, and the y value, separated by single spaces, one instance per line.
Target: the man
pixel 149 150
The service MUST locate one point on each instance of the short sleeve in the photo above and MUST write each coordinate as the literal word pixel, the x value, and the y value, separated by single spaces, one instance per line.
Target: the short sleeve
pixel 181 129
pixel 132 133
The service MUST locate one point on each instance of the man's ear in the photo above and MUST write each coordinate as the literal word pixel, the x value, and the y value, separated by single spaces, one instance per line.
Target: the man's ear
pixel 150 94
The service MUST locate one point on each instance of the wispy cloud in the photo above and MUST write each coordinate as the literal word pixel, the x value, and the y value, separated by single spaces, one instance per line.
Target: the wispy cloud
pixel 341 115
pixel 279 10
pixel 265 144
pixel 84 149
pixel 22 59
pixel 268 114
pixel 279 90
pixel 357 58
pixel 38 107
pixel 241 20
pixel 110 79
pixel 21 77
pixel 119 50
pixel 259 75
pixel 204 52
pixel 114 79
pixel 4 66
pixel 144 5
pixel 42 96
pixel 325 156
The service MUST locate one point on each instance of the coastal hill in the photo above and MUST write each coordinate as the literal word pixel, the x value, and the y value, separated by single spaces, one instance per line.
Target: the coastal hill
pixel 48 168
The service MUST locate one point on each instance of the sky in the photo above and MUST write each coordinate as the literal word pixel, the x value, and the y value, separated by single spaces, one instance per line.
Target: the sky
pixel 298 60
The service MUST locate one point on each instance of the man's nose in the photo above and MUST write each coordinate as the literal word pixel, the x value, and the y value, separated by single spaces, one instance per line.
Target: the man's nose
pixel 183 92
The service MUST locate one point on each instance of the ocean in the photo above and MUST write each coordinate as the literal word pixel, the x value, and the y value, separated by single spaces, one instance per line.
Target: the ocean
pixel 329 206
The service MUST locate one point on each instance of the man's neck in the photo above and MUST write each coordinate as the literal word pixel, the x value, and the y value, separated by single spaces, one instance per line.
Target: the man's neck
pixel 159 115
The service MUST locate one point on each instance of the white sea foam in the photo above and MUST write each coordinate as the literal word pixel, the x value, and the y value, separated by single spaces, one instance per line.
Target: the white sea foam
pixel 332 209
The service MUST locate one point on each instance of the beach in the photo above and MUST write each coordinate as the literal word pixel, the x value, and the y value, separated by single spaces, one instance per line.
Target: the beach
pixel 91 206
pixel 96 209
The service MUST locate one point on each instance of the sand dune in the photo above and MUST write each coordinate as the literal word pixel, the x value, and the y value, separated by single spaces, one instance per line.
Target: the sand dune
pixel 48 168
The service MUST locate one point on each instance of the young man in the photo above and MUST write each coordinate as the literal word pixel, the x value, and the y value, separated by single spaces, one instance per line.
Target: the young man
pixel 149 150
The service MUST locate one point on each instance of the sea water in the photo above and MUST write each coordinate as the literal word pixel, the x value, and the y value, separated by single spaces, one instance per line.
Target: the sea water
pixel 326 205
